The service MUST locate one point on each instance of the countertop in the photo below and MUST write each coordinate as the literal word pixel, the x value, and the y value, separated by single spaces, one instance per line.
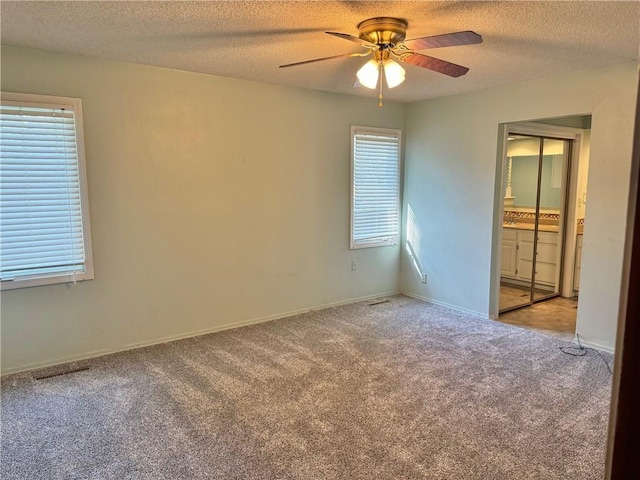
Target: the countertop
pixel 541 228
pixel 530 226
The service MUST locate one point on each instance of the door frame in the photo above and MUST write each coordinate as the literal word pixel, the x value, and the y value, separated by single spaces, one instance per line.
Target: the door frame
pixel 540 130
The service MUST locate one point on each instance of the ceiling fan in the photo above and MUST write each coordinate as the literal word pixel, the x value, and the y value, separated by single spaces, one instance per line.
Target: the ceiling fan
pixel 384 39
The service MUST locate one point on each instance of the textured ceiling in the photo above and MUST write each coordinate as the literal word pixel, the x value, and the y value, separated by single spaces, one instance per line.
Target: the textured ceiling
pixel 242 39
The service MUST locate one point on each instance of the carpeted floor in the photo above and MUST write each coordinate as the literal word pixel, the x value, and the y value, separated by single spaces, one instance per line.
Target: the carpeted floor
pixel 399 390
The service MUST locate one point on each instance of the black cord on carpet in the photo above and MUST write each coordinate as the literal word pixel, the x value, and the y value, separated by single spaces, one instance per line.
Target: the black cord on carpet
pixel 581 351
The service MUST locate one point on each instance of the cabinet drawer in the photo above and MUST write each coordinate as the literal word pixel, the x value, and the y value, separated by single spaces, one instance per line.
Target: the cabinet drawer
pixel 543 237
pixel 509 234
pixel 548 237
pixel 547 252
pixel 545 272
pixel 525 236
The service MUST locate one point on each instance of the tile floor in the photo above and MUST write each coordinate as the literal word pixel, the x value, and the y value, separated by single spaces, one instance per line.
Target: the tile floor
pixel 513 295
pixel 555 317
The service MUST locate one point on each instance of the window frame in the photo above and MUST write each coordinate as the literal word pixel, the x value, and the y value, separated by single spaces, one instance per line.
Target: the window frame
pixel 75 104
pixel 377 242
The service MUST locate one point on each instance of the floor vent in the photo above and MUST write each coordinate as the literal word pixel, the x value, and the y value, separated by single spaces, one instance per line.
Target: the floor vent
pixel 64 372
pixel 379 302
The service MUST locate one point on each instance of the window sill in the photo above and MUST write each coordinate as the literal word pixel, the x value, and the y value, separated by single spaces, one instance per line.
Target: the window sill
pixel 357 246
pixel 42 281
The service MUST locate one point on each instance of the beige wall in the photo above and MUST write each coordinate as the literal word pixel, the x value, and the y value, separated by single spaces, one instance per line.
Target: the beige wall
pixel 450 190
pixel 216 202
pixel 583 175
pixel 213 201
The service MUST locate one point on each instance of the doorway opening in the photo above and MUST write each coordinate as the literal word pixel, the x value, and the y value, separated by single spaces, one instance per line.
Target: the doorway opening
pixel 541 209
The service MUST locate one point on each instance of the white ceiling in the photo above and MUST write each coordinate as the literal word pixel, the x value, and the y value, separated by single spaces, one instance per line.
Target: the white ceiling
pixel 249 40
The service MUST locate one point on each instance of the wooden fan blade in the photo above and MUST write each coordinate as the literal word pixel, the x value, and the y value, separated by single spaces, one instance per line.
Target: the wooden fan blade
pixel 352 38
pixel 435 64
pixel 319 60
pixel 447 40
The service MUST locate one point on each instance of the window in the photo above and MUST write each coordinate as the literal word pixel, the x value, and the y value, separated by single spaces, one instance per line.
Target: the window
pixel 44 214
pixel 375 186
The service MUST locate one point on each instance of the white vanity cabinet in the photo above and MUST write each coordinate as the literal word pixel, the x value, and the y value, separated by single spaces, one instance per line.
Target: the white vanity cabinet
pixel 517 255
pixel 509 263
pixel 546 261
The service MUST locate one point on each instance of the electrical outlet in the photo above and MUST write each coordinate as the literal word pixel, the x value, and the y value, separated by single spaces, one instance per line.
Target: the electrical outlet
pixel 354 265
pixel 423 278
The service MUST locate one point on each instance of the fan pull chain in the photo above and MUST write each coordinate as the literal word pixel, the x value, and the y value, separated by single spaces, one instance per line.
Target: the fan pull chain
pixel 380 75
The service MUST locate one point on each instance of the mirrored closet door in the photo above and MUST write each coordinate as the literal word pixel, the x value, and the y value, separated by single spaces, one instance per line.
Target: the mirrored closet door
pixel 533 219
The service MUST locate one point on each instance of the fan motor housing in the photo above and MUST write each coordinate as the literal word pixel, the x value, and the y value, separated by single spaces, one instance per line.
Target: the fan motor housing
pixel 383 30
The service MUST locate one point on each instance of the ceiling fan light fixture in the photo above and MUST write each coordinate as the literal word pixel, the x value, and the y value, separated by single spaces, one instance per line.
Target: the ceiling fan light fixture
pixel 368 74
pixel 384 37
pixel 393 73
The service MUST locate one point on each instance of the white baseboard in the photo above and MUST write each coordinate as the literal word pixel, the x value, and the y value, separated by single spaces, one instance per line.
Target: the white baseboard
pixel 583 341
pixel 444 304
pixel 596 345
pixel 196 333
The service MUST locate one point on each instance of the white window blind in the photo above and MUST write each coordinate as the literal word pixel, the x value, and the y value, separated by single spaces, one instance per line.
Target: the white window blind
pixel 42 234
pixel 375 186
